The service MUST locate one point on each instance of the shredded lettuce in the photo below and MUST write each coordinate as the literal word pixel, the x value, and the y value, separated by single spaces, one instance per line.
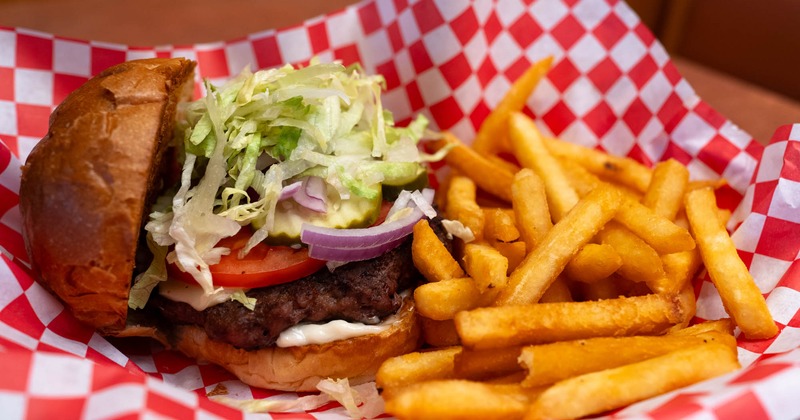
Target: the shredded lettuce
pixel 145 282
pixel 248 138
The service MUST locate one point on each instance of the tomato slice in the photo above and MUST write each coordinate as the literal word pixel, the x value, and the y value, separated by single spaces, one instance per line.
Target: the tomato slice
pixel 263 266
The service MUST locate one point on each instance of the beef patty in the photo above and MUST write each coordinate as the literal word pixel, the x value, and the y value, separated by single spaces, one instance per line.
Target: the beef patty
pixel 362 291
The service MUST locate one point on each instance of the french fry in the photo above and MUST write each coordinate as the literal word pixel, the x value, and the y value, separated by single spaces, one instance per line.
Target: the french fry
pixel 622 170
pixel 505 326
pixel 461 205
pixel 529 148
pixel 706 183
pixel 557 292
pixel 430 256
pixel 549 363
pixel 503 163
pixel 606 288
pixel 659 232
pixel 593 263
pixel 488 176
pixel 488 363
pixel 640 262
pixel 612 388
pixel 460 399
pixel 499 225
pixel 688 304
pixel 737 288
pixel 439 333
pixel 492 135
pixel 680 268
pixel 667 187
pixel 401 371
pixel 443 299
pixel 513 251
pixel 541 267
pixel 529 201
pixel 487 267
pixel 724 326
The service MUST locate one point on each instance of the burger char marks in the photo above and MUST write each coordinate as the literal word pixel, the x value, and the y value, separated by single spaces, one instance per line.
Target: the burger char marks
pixel 363 291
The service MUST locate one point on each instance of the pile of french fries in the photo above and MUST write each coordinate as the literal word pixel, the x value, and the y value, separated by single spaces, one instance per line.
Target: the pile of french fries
pixel 575 296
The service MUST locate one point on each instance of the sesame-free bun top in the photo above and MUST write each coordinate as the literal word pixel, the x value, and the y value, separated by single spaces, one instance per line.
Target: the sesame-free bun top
pixel 85 186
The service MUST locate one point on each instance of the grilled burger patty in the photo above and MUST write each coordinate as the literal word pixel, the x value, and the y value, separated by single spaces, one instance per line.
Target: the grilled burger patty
pixel 362 291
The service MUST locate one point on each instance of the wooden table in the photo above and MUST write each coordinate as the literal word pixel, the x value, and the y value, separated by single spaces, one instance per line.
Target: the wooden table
pixel 158 22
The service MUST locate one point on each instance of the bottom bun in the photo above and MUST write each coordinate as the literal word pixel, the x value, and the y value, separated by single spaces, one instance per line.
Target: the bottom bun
pixel 301 368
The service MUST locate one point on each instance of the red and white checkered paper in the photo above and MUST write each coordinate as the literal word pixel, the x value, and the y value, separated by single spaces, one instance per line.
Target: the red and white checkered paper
pixel 612 87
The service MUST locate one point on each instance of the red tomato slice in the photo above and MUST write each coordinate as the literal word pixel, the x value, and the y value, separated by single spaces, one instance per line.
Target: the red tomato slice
pixel 263 266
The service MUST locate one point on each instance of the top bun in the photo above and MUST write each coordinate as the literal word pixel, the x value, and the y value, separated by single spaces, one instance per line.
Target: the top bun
pixel 86 185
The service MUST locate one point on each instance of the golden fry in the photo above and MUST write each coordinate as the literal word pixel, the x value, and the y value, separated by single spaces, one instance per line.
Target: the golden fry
pixel 439 333
pixel 612 388
pixel 443 299
pixel 504 326
pixel 659 232
pixel 430 255
pixel 606 288
pixel 593 263
pixel 513 251
pixel 499 225
pixel 488 176
pixel 541 267
pixel 493 134
pixel 487 267
pixel 622 170
pixel 460 399
pixel 461 205
pixel 667 187
pixel 557 292
pixel 724 326
pixel 401 371
pixel 550 363
pixel 529 201
pixel 529 148
pixel 737 289
pixel 640 262
pixel 488 363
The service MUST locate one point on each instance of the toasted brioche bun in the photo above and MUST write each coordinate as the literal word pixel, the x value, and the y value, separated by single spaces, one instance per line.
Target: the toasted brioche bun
pixel 86 188
pixel 85 185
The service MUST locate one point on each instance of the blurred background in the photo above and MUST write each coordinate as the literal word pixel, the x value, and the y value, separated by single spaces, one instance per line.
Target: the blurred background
pixel 741 56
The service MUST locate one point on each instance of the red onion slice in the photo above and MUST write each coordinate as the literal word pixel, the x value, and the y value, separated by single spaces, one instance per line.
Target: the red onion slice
pixel 312 195
pixel 345 245
pixel 289 190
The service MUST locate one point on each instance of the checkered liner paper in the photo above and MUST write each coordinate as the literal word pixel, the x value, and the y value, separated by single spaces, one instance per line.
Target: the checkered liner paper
pixel 612 87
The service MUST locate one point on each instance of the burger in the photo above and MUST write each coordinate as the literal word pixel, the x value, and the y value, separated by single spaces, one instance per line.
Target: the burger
pixel 264 227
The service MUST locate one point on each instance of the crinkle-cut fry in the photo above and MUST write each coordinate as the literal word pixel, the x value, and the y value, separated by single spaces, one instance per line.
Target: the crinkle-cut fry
pixel 460 399
pixel 441 300
pixel 439 333
pixel 487 267
pixel 551 363
pixel 461 205
pixel 724 326
pixel 667 187
pixel 593 263
pixel 529 201
pixel 541 266
pixel 492 135
pixel 618 169
pixel 488 176
pixel 513 251
pixel 430 256
pixel 528 145
pixel 410 368
pixel 504 326
pixel 640 262
pixel 736 286
pixel 499 225
pixel 488 363
pixel 598 392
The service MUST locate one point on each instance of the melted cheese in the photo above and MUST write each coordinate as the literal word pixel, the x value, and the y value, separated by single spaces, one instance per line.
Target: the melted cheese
pixel 181 292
